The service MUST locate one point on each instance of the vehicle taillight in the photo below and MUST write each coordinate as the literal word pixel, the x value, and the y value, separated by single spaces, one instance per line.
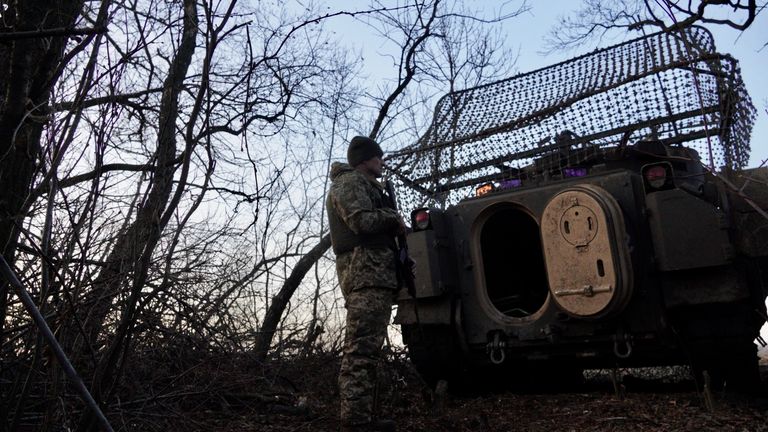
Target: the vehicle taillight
pixel 656 176
pixel 484 189
pixel 420 219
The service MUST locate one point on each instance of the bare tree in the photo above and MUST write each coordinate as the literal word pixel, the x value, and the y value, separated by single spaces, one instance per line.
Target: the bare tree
pixel 175 180
pixel 597 17
pixel 33 46
pixel 167 73
pixel 413 30
pixel 38 40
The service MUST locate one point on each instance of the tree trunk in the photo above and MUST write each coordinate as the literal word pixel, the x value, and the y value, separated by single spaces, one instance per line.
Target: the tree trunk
pixel 280 300
pixel 123 268
pixel 27 67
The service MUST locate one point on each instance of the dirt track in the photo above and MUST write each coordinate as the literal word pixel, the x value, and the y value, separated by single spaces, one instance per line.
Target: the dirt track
pixel 308 402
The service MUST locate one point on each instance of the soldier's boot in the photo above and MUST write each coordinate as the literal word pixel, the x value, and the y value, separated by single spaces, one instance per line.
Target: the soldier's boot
pixel 380 425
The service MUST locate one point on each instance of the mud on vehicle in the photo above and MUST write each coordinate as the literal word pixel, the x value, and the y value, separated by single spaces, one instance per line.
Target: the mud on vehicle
pixel 590 214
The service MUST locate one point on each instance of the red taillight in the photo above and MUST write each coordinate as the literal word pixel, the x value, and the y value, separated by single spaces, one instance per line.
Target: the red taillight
pixel 421 219
pixel 656 176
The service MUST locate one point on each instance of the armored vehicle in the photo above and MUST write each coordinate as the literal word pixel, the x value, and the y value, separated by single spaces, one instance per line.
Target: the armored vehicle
pixel 590 214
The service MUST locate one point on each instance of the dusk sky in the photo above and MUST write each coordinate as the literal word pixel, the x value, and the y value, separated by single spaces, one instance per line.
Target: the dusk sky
pixel 526 35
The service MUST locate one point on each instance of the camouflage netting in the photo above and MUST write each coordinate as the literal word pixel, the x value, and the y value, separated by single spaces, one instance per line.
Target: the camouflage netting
pixel 671 86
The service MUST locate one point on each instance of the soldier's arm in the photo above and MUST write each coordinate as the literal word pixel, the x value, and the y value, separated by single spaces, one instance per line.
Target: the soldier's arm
pixel 356 209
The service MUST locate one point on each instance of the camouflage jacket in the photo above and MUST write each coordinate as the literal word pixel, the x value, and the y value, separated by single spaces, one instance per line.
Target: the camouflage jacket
pixel 357 204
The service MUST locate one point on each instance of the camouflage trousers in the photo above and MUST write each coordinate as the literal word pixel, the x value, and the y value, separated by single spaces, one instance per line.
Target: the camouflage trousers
pixel 368 313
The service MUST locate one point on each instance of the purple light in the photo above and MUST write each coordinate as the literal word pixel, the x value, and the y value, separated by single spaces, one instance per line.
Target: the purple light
pixel 574 172
pixel 509 184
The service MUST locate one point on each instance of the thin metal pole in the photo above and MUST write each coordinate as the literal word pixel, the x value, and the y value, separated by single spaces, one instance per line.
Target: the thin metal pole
pixel 29 304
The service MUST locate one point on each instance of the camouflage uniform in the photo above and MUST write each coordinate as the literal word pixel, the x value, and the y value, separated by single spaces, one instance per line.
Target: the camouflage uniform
pixel 368 279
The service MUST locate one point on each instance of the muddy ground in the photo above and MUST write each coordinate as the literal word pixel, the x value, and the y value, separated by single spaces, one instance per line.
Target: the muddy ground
pixel 301 395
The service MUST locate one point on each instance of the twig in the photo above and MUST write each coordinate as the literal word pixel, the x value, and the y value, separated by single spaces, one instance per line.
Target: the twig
pixel 708 401
pixel 749 179
pixel 51 33
pixel 743 196
pixel 29 304
pixel 612 419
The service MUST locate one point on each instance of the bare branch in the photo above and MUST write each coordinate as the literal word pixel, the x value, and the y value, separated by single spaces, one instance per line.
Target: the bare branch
pixel 45 33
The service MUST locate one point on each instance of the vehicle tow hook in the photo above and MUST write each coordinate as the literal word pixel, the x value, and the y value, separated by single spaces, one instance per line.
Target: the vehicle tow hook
pixel 627 351
pixel 496 350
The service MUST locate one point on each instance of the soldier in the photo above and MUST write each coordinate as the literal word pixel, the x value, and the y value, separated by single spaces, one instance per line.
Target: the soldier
pixel 363 230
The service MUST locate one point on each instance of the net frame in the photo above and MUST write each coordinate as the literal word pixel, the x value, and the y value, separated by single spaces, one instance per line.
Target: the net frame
pixel 669 86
